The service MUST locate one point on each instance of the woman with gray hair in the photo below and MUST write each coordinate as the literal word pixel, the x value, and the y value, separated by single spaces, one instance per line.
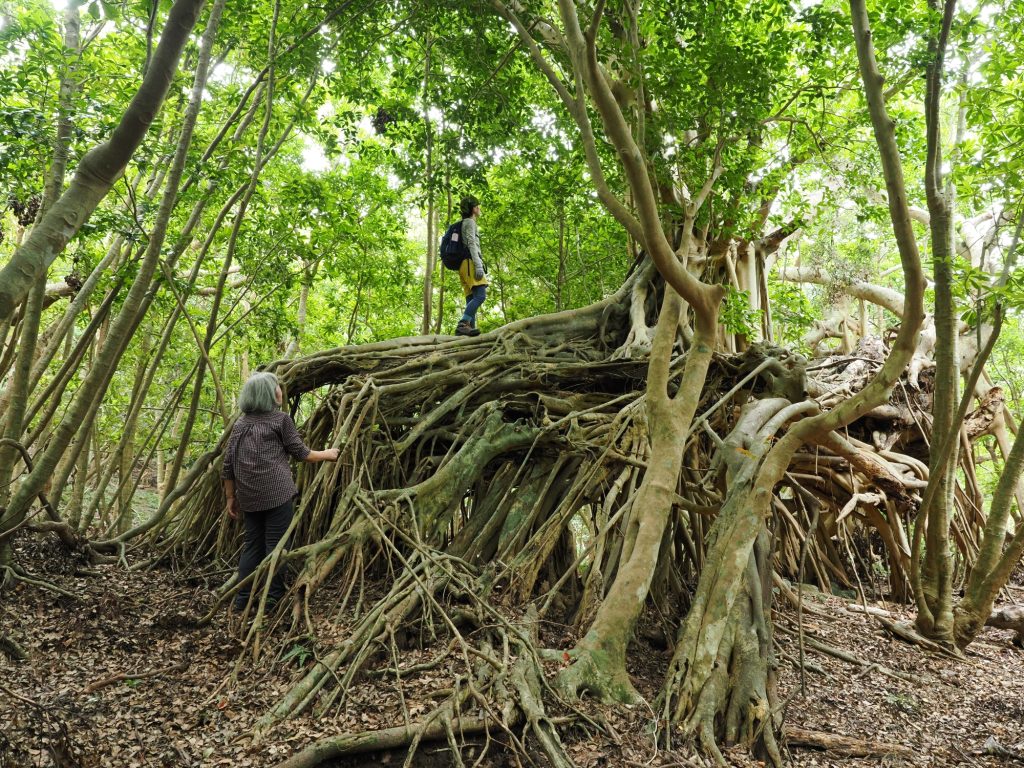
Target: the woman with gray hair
pixel 257 478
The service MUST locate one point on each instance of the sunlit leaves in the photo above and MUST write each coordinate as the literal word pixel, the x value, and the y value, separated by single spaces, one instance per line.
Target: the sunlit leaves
pixel 793 313
pixel 736 315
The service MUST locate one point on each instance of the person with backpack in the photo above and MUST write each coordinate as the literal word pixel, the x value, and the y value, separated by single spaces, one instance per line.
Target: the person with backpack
pixel 460 249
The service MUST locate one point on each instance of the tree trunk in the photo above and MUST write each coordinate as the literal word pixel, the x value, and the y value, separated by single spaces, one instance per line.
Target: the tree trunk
pixel 295 345
pixel 719 672
pixel 54 181
pixel 697 691
pixel 10 456
pixel 600 656
pixel 439 323
pixel 560 298
pixel 933 585
pixel 428 274
pixel 997 558
pixel 126 452
pixel 99 168
pixel 74 509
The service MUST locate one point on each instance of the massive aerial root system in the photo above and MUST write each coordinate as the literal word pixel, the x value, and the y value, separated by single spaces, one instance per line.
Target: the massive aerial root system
pixel 491 483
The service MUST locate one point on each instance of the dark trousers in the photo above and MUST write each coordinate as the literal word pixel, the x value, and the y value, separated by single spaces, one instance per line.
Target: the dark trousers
pixel 263 531
pixel 473 302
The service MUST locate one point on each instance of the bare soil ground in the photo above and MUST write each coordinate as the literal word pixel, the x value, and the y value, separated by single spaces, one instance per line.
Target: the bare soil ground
pixel 87 695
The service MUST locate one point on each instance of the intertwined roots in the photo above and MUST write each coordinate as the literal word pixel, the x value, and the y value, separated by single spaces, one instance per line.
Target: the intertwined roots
pixel 487 475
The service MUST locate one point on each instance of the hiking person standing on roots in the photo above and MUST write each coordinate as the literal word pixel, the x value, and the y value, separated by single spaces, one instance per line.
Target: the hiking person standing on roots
pixel 257 477
pixel 472 272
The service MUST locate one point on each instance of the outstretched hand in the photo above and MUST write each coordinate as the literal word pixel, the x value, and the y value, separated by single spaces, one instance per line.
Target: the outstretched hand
pixel 331 454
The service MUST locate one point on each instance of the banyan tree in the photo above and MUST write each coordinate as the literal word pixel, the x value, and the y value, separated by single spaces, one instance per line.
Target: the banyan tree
pixel 647 457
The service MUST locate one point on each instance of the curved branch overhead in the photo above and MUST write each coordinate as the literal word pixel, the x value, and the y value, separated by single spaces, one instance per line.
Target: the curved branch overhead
pixel 887 298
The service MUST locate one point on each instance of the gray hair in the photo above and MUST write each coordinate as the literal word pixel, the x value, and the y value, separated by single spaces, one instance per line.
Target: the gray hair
pixel 257 395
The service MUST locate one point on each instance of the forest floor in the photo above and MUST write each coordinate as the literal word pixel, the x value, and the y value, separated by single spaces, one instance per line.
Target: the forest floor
pixel 83 697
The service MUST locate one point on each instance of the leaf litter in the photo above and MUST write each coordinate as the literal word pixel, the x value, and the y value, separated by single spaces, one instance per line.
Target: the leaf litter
pixel 123 677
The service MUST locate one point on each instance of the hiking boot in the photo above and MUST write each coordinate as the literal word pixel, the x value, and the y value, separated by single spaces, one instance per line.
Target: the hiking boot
pixel 465 329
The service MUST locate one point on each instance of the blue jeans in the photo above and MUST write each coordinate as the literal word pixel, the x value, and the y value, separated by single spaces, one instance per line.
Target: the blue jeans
pixel 263 530
pixel 473 302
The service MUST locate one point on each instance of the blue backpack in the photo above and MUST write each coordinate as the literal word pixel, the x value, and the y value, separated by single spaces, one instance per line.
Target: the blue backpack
pixel 453 250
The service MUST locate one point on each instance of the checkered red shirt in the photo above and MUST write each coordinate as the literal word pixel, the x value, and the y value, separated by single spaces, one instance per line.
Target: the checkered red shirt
pixel 256 458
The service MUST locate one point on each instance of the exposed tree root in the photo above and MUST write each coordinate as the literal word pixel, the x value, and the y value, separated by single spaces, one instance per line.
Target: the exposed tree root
pixel 851 658
pixel 906 632
pixel 592 672
pixel 118 677
pixel 492 472
pixel 1009 617
pixel 12 573
pixel 364 742
pixel 847 746
pixel 12 649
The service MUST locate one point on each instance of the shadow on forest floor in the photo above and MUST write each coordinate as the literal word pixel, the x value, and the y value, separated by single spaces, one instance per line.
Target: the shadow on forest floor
pixel 83 697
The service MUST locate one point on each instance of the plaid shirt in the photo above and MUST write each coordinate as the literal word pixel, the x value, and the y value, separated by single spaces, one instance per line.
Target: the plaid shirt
pixel 256 458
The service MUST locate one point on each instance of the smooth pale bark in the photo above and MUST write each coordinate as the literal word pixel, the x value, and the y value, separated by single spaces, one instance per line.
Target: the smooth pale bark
pixel 997 558
pixel 693 685
pixel 601 654
pixel 84 406
pixel 100 168
pixel 859 289
pixel 933 585
pixel 9 455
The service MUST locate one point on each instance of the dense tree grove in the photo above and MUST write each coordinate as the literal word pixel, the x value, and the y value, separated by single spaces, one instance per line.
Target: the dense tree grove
pixel 754 322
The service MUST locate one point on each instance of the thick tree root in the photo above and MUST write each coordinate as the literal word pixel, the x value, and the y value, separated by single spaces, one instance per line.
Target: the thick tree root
pixel 364 742
pixel 12 649
pixel 735 704
pixel 591 672
pixel 1009 617
pixel 847 746
pixel 507 468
